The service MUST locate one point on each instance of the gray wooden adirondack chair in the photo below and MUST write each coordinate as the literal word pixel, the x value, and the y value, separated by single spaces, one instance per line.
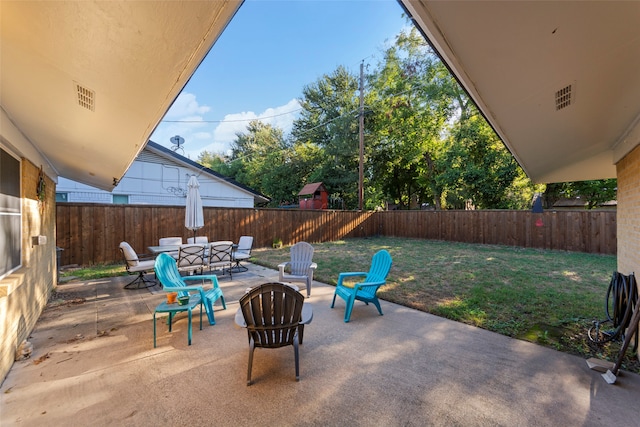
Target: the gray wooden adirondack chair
pixel 301 266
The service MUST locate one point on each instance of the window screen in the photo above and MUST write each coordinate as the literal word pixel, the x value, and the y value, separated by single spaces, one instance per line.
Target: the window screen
pixel 10 213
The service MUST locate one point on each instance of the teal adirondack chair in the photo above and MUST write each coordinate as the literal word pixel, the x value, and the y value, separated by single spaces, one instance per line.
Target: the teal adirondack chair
pixel 366 290
pixel 167 273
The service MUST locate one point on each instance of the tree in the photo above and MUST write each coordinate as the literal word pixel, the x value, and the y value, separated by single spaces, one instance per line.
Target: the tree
pixel 329 122
pixel 477 166
pixel 411 105
pixel 594 193
pixel 253 156
pixel 425 141
pixel 285 179
pixel 212 160
pixel 430 143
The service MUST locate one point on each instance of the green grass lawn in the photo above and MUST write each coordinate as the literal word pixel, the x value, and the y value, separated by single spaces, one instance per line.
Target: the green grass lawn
pixel 547 297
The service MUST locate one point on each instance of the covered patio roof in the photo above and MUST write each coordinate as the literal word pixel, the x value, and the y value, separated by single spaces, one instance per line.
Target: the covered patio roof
pixel 86 82
pixel 559 81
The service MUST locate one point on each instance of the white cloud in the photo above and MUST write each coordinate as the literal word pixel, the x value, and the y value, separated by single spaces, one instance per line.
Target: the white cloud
pixel 202 135
pixel 186 105
pixel 186 118
pixel 225 133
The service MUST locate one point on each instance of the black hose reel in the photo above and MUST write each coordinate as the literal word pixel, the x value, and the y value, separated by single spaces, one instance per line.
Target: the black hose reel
pixel 622 297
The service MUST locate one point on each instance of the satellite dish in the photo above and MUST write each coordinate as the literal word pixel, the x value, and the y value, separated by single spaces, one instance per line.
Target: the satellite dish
pixel 177 142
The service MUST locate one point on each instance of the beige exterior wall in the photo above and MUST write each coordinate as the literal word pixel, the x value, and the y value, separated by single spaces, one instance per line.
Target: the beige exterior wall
pixel 24 293
pixel 628 171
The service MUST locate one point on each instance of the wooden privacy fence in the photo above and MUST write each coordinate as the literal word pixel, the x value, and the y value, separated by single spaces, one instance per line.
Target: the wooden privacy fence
pixel 90 233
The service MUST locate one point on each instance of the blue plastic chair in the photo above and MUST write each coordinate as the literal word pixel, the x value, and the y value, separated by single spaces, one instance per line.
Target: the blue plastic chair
pixel 366 290
pixel 167 273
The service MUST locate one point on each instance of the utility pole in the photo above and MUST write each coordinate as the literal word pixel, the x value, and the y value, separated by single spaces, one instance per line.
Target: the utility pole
pixel 361 169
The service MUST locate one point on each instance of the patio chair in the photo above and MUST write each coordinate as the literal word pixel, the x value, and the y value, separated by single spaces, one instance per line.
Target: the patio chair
pixel 272 313
pixel 220 256
pixel 198 239
pixel 242 253
pixel 170 241
pixel 300 268
pixel 366 290
pixel 136 266
pixel 191 258
pixel 167 273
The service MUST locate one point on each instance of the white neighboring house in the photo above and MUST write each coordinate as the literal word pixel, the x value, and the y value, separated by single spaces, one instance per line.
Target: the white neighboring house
pixel 159 176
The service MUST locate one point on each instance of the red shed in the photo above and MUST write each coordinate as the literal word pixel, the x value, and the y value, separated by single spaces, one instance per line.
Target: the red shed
pixel 319 197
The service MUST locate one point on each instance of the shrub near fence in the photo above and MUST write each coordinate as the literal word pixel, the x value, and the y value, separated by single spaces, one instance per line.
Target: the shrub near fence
pixel 90 233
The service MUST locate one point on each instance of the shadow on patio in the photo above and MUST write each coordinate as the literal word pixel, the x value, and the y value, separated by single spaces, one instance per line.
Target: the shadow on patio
pixel 94 363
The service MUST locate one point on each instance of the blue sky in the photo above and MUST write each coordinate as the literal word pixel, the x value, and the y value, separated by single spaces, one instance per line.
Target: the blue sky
pixel 269 51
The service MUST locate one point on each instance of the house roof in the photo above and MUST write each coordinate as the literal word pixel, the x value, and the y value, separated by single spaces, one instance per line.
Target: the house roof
pixel 519 60
pixel 87 82
pixel 581 203
pixel 311 188
pixel 165 152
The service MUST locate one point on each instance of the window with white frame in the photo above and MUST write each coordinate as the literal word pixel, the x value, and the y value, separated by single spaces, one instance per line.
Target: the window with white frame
pixel 10 213
pixel 120 199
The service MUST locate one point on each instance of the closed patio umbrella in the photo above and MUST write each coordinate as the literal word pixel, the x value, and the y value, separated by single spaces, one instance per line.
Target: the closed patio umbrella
pixel 193 218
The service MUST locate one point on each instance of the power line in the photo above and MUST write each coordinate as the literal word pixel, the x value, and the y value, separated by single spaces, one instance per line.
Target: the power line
pixel 231 121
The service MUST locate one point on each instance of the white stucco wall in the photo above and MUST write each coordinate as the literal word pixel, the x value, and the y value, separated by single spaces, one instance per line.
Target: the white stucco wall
pixel 25 291
pixel 159 181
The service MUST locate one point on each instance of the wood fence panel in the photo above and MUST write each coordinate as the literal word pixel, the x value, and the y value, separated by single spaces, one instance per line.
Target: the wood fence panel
pixel 436 225
pixel 512 228
pixel 497 231
pixel 86 231
pixel 573 223
pixel 112 239
pixel 554 223
pixel 91 233
pixel 608 235
pixel 568 223
pixel 537 232
pixel 98 251
pixel 248 223
pixel 71 247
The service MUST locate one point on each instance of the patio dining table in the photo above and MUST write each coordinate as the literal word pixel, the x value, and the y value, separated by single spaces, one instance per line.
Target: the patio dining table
pixel 165 248
pixel 174 248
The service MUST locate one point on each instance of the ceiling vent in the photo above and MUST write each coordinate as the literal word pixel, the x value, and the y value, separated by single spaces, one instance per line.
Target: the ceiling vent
pixel 86 97
pixel 564 97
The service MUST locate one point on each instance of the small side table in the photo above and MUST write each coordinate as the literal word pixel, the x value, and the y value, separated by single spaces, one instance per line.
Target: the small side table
pixel 173 309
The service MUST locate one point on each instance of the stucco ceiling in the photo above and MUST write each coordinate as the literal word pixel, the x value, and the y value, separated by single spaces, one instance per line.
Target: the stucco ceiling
pixel 515 57
pixel 88 81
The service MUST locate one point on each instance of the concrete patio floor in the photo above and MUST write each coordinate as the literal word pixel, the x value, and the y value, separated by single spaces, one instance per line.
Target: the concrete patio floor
pixel 94 364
